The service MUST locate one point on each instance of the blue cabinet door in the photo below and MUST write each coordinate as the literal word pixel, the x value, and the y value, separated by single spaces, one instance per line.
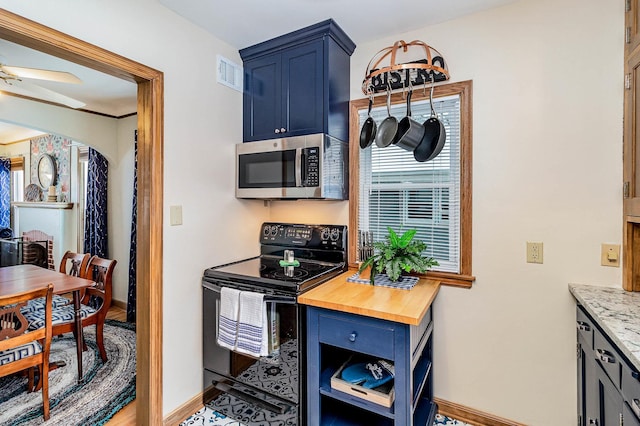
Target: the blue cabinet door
pixel 262 97
pixel 283 93
pixel 303 87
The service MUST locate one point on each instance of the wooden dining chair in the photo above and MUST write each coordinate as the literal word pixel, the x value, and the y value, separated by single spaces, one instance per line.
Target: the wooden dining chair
pixel 74 263
pixel 21 349
pixel 71 264
pixel 94 304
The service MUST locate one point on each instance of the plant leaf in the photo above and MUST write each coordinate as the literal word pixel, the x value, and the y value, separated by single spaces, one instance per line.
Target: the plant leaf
pixel 393 237
pixel 406 238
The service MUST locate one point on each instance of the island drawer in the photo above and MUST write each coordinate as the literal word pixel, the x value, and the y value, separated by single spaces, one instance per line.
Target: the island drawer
pixel 608 357
pixel 351 332
pixel 584 326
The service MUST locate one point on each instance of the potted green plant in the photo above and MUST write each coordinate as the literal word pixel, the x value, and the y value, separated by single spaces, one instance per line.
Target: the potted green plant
pixel 397 254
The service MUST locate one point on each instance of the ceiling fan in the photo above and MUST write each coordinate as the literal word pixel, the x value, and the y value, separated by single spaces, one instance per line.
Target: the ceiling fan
pixel 12 80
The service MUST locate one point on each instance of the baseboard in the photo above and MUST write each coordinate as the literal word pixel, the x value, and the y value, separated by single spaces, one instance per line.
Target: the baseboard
pixel 119 304
pixel 183 412
pixel 446 408
pixel 471 415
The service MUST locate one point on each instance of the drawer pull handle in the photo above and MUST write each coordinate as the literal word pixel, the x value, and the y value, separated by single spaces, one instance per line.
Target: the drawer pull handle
pixel 352 336
pixel 583 326
pixel 606 356
pixel 635 407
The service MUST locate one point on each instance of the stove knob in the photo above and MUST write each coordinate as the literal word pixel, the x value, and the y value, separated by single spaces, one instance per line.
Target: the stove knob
pixel 266 230
pixel 274 230
pixel 324 235
pixel 335 234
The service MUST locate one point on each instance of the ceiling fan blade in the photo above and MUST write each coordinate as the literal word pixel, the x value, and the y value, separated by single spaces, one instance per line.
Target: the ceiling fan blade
pixel 31 90
pixel 38 74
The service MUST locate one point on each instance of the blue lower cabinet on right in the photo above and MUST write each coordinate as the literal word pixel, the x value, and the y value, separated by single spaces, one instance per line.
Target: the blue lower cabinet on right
pixel 368 371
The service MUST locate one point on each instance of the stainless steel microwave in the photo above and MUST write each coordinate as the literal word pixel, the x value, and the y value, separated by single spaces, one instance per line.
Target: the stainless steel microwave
pixel 312 167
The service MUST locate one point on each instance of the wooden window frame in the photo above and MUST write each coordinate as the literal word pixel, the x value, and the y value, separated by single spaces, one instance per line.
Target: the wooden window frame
pixel 464 90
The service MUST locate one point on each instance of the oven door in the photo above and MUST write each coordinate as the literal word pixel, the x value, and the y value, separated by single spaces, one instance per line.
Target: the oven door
pixel 271 382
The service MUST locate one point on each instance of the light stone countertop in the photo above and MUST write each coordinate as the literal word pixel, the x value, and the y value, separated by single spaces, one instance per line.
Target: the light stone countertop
pixel 617 312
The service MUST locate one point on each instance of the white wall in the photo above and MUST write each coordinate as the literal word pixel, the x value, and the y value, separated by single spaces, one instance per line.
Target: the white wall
pixel 94 130
pixel 203 121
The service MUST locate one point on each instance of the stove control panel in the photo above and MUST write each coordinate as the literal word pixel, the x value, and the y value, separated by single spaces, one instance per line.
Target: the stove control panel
pixel 332 237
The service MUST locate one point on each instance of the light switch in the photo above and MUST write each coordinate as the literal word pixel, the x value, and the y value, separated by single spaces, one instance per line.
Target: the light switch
pixel 610 255
pixel 175 215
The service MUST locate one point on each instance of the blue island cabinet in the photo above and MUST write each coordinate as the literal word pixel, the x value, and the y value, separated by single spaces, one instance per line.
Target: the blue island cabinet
pixel 333 337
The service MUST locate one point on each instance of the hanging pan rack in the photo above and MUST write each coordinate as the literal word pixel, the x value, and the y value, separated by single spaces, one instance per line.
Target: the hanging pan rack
pixel 430 68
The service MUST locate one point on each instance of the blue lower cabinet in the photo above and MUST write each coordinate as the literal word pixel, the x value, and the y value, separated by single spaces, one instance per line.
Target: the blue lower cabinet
pixel 338 340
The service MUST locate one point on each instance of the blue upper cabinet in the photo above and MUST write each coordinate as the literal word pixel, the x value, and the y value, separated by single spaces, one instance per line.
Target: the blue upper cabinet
pixel 298 84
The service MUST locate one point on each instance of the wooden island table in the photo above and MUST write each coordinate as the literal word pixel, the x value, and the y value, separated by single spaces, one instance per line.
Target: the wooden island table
pixel 347 320
pixel 21 278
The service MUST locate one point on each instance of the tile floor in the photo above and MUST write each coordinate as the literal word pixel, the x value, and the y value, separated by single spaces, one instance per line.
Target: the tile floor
pixel 209 417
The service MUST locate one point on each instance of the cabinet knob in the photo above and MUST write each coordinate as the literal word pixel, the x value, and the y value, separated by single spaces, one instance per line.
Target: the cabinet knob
pixel 606 356
pixel 282 130
pixel 352 336
pixel 593 421
pixel 583 326
pixel 277 131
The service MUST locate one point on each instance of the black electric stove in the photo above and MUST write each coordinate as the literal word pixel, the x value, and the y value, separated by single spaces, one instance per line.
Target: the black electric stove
pixel 293 258
pixel 319 253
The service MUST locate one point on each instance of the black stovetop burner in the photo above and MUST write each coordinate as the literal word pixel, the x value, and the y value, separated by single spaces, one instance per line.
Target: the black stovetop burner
pixel 319 251
pixel 268 267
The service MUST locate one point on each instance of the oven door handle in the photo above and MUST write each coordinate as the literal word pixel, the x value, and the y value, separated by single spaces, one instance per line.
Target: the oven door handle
pixel 250 398
pixel 269 298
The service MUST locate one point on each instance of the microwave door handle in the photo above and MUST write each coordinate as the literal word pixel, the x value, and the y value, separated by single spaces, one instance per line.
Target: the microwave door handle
pixel 298 167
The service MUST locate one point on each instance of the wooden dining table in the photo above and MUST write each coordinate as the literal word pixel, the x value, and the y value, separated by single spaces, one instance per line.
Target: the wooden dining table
pixel 21 278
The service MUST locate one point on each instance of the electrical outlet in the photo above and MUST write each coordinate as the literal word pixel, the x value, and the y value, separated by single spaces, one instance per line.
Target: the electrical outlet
pixel 534 252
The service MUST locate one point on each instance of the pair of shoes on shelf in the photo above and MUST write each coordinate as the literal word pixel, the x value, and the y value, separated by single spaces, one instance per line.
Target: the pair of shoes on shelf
pixel 369 375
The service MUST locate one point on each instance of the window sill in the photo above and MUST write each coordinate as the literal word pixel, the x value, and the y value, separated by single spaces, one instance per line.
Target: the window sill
pixel 449 278
pixel 445 278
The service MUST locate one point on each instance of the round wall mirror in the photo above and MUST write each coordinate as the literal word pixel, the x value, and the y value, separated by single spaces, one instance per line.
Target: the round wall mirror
pixel 47 171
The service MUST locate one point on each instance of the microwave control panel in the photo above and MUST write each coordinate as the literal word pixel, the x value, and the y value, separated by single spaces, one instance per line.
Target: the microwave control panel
pixel 311 172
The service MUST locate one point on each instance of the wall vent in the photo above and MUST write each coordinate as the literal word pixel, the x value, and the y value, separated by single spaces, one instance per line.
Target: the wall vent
pixel 229 73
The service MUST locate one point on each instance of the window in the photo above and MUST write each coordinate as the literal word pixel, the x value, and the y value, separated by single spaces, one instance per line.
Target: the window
pixel 17 178
pixel 391 189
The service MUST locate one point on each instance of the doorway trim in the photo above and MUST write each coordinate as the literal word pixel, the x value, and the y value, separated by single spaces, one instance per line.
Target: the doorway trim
pixel 31 34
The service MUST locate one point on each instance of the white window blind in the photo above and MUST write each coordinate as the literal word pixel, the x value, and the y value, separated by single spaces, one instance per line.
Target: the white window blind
pixel 399 192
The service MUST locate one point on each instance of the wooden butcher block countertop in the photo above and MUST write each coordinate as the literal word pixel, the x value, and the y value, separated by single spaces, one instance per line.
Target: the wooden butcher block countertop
pixel 403 306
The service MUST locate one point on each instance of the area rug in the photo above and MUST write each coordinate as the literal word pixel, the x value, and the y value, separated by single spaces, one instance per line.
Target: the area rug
pixel 106 388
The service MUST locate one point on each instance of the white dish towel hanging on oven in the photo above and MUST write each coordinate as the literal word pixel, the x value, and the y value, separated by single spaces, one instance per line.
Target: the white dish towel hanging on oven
pixel 252 325
pixel 228 318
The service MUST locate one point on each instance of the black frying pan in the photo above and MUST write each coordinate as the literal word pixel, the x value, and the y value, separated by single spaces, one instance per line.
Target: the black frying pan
pixel 369 128
pixel 434 136
pixel 388 127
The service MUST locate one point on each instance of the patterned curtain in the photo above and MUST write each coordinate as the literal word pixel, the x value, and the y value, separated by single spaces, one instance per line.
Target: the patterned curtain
pixel 5 192
pixel 131 296
pixel 95 222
